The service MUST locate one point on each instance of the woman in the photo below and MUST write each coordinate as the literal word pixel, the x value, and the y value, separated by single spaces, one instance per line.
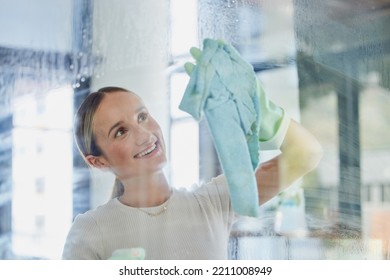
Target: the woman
pixel 114 131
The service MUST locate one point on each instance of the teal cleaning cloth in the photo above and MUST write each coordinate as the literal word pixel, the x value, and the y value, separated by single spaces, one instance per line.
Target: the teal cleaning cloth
pixel 223 87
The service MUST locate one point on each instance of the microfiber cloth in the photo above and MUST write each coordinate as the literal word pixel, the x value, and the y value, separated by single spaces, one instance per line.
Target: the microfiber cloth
pixel 223 87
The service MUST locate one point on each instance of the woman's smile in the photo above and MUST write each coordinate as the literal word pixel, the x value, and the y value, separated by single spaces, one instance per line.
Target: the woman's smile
pixel 149 151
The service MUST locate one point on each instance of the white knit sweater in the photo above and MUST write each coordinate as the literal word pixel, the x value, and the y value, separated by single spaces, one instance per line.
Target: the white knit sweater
pixel 196 225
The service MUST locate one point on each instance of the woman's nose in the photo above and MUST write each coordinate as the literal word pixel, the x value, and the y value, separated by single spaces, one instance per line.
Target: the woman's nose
pixel 143 136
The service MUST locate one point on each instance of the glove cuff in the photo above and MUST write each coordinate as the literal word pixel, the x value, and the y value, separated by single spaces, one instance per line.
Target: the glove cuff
pixel 276 141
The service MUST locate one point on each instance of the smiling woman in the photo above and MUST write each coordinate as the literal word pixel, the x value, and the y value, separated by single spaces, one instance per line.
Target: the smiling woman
pixel 115 132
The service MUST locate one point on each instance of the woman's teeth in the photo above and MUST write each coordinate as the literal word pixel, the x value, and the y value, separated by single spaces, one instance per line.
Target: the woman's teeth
pixel 148 151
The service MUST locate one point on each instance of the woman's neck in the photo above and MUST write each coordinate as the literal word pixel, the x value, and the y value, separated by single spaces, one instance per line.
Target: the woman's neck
pixel 145 191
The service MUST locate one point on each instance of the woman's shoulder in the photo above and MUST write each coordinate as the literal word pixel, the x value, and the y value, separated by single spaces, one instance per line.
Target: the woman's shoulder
pixel 214 189
pixel 216 183
pixel 99 212
pixel 199 188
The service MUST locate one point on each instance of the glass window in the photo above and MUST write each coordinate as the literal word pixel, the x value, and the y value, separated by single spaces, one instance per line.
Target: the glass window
pixel 184 130
pixel 325 62
pixel 184 153
pixel 42 172
pixel 327 66
pixel 184 137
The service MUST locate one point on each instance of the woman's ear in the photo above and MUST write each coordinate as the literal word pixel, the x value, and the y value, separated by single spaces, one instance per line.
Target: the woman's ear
pixel 97 161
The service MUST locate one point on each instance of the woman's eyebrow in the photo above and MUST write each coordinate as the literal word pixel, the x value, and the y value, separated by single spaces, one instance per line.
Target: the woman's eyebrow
pixel 141 108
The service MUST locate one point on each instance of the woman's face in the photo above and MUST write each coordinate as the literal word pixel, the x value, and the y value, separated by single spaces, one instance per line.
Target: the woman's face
pixel 130 139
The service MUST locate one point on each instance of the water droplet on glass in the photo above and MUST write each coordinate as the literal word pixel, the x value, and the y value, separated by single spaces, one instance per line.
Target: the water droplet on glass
pixel 76 85
pixel 231 3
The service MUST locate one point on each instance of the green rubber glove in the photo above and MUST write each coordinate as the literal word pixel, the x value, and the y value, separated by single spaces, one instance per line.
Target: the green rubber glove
pixel 273 117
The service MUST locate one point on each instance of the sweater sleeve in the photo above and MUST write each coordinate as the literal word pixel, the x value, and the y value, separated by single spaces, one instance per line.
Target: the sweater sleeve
pixel 84 240
pixel 217 193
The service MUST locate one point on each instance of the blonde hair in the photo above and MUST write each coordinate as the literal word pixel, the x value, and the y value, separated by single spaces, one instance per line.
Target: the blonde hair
pixel 83 128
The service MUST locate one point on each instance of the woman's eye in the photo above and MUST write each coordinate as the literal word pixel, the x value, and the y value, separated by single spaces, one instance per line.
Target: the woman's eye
pixel 142 117
pixel 120 132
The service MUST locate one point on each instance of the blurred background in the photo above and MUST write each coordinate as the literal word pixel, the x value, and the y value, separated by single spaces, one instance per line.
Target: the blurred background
pixel 326 62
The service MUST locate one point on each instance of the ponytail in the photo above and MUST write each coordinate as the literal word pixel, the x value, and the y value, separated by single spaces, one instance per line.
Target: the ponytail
pixel 117 189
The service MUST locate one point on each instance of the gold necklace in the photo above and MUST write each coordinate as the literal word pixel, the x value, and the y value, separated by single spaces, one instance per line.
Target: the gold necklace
pixel 163 209
pixel 152 214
